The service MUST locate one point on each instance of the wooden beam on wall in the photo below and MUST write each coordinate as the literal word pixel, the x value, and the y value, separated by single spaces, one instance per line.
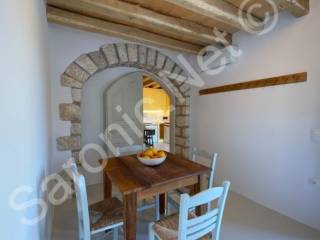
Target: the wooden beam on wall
pixel 136 16
pixel 219 10
pixel 286 79
pixel 67 18
pixel 298 8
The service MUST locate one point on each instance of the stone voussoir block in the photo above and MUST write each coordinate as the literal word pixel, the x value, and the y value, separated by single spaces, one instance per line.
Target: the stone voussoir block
pixel 110 54
pixel 185 101
pixel 69 112
pixel 185 152
pixel 178 149
pixel 182 121
pixel 76 94
pixel 168 67
pixel 181 79
pixel 75 129
pixel 98 58
pixel 178 131
pixel 176 71
pixel 151 57
pixel 184 87
pixel 142 51
pixel 122 52
pixel 87 64
pixel 67 143
pixel 185 132
pixel 132 52
pixel 182 110
pixel 181 141
pixel 77 73
pixel 67 81
pixel 185 110
pixel 160 61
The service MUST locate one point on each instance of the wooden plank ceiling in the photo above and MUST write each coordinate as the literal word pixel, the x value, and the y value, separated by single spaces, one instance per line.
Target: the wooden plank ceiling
pixel 180 25
pixel 150 83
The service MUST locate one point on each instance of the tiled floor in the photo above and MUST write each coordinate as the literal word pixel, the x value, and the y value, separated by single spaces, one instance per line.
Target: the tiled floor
pixel 243 220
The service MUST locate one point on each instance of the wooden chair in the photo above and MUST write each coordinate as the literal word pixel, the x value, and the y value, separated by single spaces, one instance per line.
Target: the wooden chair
pixel 96 218
pixel 185 225
pixel 194 153
pixel 133 149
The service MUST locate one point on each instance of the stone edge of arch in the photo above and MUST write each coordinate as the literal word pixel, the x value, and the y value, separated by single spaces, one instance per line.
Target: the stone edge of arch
pixel 118 55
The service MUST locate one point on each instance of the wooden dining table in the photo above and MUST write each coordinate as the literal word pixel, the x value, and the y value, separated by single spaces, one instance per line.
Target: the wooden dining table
pixel 136 181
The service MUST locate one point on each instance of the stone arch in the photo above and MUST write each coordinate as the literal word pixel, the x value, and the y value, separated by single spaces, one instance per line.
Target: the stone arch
pixel 130 55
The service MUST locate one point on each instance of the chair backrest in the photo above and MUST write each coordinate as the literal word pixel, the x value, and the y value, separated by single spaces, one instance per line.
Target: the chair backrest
pixel 82 203
pixel 211 157
pixel 210 222
pixel 128 150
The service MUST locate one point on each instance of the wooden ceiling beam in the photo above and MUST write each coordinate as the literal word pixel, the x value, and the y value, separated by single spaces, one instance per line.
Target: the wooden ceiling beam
pixel 147 81
pixel 149 84
pixel 67 18
pixel 137 16
pixel 220 10
pixel 156 86
pixel 298 8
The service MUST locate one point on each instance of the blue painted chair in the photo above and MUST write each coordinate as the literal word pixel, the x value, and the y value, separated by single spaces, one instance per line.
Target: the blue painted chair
pixel 194 154
pixel 96 218
pixel 185 225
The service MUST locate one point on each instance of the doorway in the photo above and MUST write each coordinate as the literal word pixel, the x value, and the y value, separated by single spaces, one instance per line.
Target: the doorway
pixel 156 114
pixel 138 111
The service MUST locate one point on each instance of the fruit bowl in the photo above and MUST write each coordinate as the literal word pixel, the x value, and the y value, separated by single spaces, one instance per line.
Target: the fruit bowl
pixel 151 161
pixel 152 157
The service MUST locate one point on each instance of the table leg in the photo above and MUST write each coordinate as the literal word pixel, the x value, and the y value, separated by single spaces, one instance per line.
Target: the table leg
pixel 130 216
pixel 196 189
pixel 162 199
pixel 107 186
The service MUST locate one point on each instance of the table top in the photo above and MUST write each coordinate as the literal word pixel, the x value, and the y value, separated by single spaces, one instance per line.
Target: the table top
pixel 129 175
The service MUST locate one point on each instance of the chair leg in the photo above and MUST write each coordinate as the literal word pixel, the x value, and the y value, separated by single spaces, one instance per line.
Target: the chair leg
pixel 157 208
pixel 167 204
pixel 151 234
pixel 115 233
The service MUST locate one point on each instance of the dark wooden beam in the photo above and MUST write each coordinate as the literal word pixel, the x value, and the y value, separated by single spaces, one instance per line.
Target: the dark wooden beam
pixel 268 82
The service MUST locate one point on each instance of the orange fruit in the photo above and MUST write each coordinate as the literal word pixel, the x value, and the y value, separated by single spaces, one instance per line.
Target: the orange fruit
pixel 148 153
pixel 161 154
pixel 154 150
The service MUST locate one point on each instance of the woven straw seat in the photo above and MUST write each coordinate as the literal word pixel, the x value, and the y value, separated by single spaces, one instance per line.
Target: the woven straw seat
pixel 167 228
pixel 105 213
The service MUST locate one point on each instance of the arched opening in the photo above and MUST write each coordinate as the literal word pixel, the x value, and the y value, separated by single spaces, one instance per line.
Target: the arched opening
pixel 137 110
pixel 153 63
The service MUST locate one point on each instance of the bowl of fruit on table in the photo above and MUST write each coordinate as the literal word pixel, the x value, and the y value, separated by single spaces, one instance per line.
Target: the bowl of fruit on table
pixel 152 157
